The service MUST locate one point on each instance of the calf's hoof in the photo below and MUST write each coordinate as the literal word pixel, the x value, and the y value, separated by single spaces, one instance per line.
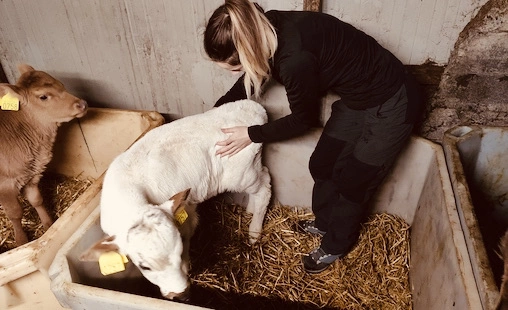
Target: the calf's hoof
pixel 254 237
pixel 47 225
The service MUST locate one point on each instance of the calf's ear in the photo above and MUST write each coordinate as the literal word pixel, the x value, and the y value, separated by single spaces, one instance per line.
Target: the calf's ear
pixel 11 90
pixel 10 97
pixel 22 68
pixel 177 200
pixel 104 245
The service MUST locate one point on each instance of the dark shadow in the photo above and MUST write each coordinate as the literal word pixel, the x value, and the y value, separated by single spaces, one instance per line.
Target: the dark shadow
pixel 217 299
pixel 492 227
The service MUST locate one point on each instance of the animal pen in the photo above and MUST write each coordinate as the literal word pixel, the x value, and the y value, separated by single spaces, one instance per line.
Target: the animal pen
pixel 421 247
pixel 423 200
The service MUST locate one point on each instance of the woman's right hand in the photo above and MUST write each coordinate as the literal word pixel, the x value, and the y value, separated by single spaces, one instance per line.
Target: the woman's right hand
pixel 237 141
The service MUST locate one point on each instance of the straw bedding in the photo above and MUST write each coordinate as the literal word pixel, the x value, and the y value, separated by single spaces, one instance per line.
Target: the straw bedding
pixel 58 192
pixel 228 273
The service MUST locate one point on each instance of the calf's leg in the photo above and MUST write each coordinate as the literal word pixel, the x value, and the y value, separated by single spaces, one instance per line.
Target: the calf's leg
pixel 14 212
pixel 259 198
pixel 33 195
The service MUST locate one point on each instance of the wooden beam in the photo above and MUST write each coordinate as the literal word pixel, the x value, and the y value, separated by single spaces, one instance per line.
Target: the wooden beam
pixel 312 5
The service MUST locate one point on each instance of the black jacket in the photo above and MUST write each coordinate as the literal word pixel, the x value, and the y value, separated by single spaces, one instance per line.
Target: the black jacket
pixel 318 53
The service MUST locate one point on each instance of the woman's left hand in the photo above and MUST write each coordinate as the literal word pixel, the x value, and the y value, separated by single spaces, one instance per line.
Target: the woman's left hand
pixel 237 141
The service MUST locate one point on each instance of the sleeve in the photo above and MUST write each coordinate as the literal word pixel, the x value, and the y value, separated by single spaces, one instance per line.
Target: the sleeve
pixel 300 76
pixel 237 92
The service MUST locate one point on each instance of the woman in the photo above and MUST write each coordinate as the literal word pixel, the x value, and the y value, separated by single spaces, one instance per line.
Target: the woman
pixel 311 54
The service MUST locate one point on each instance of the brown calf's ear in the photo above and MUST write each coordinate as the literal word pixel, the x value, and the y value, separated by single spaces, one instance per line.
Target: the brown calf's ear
pixel 102 246
pixel 25 68
pixel 9 89
pixel 10 97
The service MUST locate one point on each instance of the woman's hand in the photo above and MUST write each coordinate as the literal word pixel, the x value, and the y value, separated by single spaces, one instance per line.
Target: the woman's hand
pixel 237 141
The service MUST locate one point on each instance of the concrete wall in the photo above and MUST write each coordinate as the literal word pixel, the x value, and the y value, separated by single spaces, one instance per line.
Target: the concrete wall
pixel 147 54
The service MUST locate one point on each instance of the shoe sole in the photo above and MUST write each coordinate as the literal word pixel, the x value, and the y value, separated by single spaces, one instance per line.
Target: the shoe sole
pixel 315 271
pixel 312 271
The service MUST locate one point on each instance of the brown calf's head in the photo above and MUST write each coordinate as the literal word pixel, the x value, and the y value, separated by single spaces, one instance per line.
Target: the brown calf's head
pixel 44 97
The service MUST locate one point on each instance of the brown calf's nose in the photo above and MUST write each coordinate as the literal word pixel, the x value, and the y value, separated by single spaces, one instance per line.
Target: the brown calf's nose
pixel 82 104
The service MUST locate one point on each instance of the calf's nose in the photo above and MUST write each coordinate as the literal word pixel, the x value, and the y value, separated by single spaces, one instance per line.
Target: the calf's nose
pixel 82 105
pixel 183 296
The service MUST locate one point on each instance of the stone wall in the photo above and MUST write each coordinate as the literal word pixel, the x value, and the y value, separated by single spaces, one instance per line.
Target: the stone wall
pixel 474 85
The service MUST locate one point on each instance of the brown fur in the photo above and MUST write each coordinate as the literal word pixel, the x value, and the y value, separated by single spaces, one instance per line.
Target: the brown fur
pixel 27 138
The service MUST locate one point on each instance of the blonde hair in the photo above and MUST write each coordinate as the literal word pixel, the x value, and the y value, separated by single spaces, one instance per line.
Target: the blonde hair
pixel 238 32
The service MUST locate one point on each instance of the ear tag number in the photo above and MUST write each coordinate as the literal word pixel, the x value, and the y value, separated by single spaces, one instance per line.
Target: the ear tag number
pixel 112 262
pixel 181 215
pixel 9 102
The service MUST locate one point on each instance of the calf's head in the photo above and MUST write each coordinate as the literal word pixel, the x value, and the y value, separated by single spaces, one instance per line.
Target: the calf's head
pixel 44 97
pixel 158 244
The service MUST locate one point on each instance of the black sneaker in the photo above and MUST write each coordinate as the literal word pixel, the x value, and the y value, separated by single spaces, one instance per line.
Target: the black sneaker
pixel 309 226
pixel 318 260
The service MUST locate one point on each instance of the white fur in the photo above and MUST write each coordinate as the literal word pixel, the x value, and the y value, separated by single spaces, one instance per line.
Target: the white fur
pixel 135 205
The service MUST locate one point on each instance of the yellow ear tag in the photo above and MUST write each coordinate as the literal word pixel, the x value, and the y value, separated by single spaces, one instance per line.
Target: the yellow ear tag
pixel 9 102
pixel 181 215
pixel 112 262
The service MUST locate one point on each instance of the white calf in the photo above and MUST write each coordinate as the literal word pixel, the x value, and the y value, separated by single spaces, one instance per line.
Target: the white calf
pixel 174 167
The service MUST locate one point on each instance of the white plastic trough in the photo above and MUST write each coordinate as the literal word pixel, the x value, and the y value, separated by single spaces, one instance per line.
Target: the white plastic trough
pixel 418 190
pixel 83 149
pixel 477 158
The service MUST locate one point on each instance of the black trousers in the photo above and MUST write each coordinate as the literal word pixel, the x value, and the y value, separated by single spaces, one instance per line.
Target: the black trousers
pixel 353 155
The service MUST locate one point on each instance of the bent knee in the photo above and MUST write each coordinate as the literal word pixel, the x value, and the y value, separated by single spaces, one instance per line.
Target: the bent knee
pixel 356 179
pixel 325 156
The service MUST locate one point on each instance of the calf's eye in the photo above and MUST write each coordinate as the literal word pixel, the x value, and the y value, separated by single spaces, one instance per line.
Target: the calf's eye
pixel 143 267
pixel 43 97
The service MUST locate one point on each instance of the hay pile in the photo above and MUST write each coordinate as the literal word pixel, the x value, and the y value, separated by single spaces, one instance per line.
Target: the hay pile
pixel 229 273
pixel 58 192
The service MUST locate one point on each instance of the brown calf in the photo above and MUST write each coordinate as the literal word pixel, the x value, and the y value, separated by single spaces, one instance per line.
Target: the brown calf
pixel 27 135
